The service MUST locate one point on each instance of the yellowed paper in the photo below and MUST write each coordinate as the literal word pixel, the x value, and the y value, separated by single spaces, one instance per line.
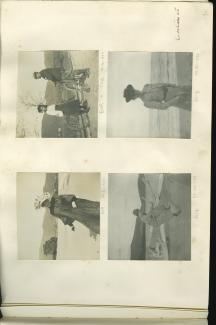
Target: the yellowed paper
pixel 110 30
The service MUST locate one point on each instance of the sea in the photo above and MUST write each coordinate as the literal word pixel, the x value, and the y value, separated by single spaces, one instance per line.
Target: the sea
pixel 174 68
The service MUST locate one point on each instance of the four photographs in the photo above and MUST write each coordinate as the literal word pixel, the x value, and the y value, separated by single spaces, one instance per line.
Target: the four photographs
pixel 58 214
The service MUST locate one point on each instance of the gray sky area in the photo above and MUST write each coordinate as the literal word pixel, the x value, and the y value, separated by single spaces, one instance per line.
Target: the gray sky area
pixel 123 198
pixel 127 119
pixel 29 185
pixel 28 63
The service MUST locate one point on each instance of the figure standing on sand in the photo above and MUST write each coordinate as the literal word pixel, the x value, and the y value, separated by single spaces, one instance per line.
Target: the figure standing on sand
pixel 161 95
pixel 160 212
pixel 58 74
pixel 69 208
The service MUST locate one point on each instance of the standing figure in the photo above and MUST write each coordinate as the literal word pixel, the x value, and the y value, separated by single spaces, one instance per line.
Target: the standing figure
pixel 161 95
pixel 69 208
pixel 57 75
pixel 161 210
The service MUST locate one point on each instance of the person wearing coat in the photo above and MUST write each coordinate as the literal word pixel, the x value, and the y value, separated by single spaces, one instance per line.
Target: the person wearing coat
pixel 68 108
pixel 160 95
pixel 58 74
pixel 69 208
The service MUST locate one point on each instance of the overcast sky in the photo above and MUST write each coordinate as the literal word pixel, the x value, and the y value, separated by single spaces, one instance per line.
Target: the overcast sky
pixel 127 119
pixel 30 62
pixel 29 185
pixel 123 199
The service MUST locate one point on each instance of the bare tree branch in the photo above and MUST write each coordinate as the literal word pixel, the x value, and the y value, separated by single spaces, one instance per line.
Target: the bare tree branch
pixel 32 101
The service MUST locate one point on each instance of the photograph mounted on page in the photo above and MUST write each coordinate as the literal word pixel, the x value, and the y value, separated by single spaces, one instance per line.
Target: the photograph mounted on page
pixel 57 94
pixel 150 91
pixel 58 216
pixel 149 216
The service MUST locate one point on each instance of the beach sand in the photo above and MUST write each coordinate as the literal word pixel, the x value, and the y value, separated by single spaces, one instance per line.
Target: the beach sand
pixel 173 68
pixel 176 188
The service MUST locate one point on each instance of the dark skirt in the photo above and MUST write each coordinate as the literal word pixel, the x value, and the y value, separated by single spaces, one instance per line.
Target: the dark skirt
pixel 86 212
pixel 69 108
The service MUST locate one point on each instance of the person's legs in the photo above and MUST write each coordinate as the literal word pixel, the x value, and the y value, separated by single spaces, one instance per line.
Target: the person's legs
pixel 78 73
pixel 163 233
pixel 175 210
pixel 86 88
pixel 150 235
pixel 180 96
pixel 175 91
pixel 84 107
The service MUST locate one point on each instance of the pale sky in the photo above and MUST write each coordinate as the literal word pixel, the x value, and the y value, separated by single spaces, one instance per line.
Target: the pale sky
pixel 83 185
pixel 123 199
pixel 30 221
pixel 30 91
pixel 127 119
pixel 30 62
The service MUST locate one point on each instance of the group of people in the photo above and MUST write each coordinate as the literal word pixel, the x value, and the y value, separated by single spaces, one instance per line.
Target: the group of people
pixel 75 80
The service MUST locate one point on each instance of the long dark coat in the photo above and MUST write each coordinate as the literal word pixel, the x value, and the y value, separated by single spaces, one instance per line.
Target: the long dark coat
pixel 86 212
pixel 70 107
pixel 59 74
pixel 52 74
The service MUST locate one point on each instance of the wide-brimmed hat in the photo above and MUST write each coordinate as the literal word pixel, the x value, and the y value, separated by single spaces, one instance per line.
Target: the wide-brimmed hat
pixel 129 93
pixel 40 199
pixel 35 75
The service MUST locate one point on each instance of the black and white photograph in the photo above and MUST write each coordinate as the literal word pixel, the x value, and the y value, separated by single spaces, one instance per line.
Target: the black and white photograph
pixel 58 216
pixel 57 94
pixel 149 94
pixel 149 217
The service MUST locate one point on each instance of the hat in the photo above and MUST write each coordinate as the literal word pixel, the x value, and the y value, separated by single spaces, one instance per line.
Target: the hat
pixel 40 199
pixel 40 107
pixel 35 75
pixel 129 93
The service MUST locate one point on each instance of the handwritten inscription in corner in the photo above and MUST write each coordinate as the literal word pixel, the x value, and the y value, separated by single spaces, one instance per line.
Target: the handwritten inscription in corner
pixel 177 23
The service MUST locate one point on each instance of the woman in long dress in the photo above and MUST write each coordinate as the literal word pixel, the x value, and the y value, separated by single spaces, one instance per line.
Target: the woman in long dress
pixel 161 95
pixel 69 208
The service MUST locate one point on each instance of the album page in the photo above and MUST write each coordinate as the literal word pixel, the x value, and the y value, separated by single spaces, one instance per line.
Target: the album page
pixel 105 165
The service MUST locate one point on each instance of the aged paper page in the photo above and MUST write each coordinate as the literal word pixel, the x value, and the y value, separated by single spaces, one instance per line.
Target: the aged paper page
pixel 105 171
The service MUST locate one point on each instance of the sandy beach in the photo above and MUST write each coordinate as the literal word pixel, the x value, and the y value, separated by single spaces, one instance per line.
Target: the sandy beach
pixel 172 68
pixel 174 188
